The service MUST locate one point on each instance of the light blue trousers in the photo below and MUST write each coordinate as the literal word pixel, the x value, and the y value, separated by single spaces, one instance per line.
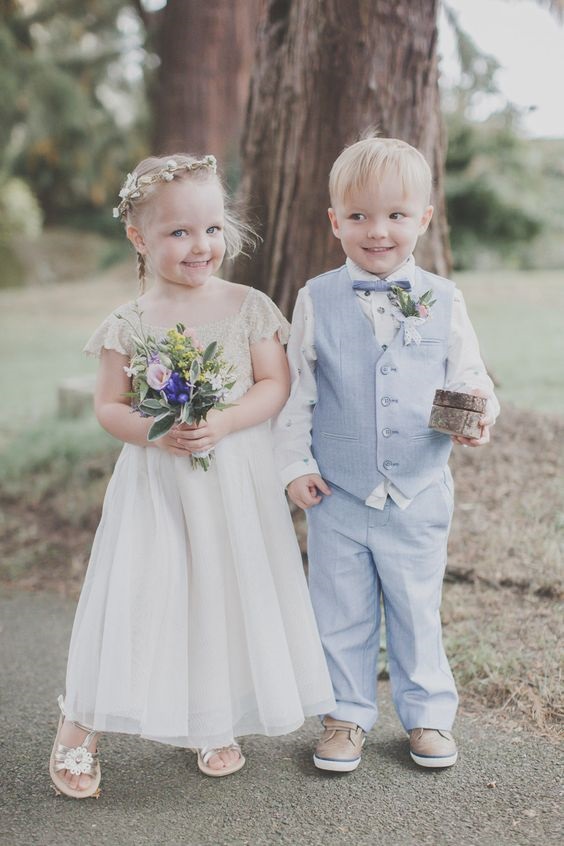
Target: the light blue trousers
pixel 357 555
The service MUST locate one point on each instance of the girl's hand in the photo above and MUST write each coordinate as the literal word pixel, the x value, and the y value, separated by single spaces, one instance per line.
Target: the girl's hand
pixel 174 443
pixel 486 422
pixel 206 435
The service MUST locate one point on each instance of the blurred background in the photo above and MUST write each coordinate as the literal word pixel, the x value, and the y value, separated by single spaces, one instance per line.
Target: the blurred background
pixel 275 89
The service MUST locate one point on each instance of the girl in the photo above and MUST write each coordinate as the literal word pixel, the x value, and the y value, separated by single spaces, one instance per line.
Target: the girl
pixel 194 625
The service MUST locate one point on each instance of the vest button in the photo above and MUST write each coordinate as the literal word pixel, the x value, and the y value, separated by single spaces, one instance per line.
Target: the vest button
pixel 385 401
pixel 386 432
pixel 388 465
pixel 380 310
pixel 384 347
pixel 385 369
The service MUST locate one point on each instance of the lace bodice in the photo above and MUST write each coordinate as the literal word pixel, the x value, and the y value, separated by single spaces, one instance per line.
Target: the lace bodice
pixel 257 318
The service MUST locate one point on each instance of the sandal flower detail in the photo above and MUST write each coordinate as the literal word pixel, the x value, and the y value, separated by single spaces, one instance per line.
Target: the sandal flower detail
pixel 413 313
pixel 77 760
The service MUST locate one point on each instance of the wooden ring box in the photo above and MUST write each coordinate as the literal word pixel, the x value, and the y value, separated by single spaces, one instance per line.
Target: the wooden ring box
pixel 455 413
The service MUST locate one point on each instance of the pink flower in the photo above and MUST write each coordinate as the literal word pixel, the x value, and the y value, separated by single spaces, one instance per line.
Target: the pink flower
pixel 423 310
pixel 158 376
pixel 191 333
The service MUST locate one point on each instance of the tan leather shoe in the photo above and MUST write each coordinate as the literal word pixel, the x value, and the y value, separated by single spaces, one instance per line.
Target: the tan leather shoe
pixel 340 746
pixel 432 747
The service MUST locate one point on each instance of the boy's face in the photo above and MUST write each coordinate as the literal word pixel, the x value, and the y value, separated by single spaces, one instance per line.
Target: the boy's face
pixel 379 225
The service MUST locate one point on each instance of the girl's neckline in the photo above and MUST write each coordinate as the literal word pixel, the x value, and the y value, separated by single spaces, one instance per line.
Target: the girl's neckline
pixel 201 325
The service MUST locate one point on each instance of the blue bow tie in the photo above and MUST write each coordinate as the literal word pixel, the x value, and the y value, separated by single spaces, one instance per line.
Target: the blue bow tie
pixel 380 284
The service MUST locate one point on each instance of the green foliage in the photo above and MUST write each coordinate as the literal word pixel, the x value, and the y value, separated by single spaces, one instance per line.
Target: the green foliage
pixel 70 119
pixel 19 215
pixel 493 173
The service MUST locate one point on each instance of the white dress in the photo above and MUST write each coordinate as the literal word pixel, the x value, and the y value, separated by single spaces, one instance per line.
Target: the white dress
pixel 194 624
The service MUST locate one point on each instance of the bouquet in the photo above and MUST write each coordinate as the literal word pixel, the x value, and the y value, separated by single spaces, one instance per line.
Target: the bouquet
pixel 176 380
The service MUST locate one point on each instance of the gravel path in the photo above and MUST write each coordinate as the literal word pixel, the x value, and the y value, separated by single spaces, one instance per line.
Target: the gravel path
pixel 153 794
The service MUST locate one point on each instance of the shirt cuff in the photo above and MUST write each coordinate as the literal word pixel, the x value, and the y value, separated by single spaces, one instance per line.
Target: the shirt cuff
pixel 297 469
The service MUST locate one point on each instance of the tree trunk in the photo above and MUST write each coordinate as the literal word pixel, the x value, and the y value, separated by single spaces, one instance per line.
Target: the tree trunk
pixel 324 72
pixel 206 51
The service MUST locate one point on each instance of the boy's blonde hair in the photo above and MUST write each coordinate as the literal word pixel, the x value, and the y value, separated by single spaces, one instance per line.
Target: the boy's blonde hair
pixel 152 173
pixel 369 159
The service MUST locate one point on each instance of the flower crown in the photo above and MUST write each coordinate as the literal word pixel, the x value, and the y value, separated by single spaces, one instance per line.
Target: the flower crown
pixel 133 186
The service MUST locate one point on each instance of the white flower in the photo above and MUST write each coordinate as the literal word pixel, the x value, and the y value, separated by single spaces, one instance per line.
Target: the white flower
pixel 130 371
pixel 129 186
pixel 211 161
pixel 78 760
pixel 167 176
pixel 171 164
pixel 216 382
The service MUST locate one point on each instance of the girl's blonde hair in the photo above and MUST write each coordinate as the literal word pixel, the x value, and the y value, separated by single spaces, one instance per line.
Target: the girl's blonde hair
pixel 371 158
pixel 150 175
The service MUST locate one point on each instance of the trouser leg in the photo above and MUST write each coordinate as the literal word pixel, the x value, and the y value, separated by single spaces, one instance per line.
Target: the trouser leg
pixel 410 556
pixel 345 593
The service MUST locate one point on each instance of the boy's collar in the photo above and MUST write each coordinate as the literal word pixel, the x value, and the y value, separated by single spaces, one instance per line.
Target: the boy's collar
pixel 406 270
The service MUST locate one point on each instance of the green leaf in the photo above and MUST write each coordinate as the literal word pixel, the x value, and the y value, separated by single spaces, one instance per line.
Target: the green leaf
pixel 160 427
pixel 194 371
pixel 152 403
pixel 152 410
pixel 210 351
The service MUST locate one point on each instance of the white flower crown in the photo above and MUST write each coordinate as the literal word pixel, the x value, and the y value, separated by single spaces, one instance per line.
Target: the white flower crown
pixel 133 186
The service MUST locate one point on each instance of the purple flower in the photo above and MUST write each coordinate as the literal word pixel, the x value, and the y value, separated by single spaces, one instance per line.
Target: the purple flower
pixel 177 390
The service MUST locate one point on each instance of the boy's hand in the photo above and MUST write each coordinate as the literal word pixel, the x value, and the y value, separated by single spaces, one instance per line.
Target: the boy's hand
pixel 306 491
pixel 486 422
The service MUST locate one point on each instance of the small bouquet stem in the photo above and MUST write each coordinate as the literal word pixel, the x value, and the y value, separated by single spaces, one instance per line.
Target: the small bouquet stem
pixel 177 380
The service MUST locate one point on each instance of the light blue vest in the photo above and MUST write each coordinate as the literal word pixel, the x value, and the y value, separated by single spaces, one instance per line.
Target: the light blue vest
pixel 370 420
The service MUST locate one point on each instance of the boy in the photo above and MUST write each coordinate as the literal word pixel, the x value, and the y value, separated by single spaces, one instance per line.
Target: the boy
pixel 354 448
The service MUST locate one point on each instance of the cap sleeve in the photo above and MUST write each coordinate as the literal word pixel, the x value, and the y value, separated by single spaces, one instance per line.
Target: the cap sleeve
pixel 264 319
pixel 113 334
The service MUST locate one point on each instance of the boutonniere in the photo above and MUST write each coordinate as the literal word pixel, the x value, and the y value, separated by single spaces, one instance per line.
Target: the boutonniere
pixel 412 313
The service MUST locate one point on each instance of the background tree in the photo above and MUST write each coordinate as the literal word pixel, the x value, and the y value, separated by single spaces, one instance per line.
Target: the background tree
pixel 200 90
pixel 324 71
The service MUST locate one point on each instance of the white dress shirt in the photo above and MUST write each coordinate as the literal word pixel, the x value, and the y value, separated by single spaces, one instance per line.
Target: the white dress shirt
pixel 292 428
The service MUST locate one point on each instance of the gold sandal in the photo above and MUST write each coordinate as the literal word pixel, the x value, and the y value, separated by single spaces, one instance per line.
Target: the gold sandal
pixel 77 759
pixel 208 752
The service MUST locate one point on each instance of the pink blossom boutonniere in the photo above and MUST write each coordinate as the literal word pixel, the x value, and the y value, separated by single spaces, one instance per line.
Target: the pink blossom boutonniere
pixel 412 313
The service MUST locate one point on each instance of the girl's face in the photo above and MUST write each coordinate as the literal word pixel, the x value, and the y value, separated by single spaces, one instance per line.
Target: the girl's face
pixel 182 233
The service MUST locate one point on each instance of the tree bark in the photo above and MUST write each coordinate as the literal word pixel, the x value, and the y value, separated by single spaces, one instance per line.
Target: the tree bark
pixel 324 72
pixel 206 51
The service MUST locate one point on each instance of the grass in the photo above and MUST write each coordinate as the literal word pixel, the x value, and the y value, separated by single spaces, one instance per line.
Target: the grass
pixel 501 609
pixel 42 331
pixel 518 317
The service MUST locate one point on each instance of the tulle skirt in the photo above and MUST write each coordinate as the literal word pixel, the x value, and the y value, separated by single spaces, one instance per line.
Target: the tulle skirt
pixel 194 624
